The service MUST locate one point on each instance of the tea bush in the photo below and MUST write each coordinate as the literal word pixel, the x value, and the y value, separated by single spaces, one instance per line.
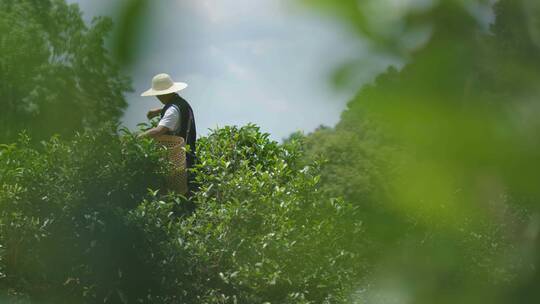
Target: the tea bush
pixel 262 230
pixel 64 226
pixel 78 224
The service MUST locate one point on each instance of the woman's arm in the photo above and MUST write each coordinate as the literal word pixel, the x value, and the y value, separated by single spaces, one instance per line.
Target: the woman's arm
pixel 154 132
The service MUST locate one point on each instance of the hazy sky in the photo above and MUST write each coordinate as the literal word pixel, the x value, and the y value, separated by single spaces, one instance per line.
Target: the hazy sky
pixel 263 61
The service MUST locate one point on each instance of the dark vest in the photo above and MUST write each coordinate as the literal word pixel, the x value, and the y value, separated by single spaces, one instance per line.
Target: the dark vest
pixel 187 129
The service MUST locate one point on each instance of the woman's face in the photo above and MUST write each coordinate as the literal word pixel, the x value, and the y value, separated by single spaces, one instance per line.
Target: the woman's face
pixel 165 98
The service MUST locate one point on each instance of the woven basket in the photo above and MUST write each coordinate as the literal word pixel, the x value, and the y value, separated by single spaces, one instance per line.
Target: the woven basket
pixel 177 180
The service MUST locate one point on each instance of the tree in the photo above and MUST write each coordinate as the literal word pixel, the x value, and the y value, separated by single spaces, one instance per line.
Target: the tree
pixel 55 74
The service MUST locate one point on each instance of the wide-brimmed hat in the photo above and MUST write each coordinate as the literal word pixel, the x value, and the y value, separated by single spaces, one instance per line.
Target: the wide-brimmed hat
pixel 163 84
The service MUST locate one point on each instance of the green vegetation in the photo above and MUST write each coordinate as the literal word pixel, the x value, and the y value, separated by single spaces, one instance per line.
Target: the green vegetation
pixel 441 156
pixel 66 231
pixel 426 191
pixel 56 75
pixel 77 222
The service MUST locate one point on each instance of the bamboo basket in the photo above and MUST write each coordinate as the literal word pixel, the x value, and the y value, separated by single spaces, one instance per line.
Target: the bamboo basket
pixel 176 152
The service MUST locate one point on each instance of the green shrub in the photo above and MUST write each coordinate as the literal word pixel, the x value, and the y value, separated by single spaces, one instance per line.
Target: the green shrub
pixel 79 225
pixel 64 227
pixel 262 231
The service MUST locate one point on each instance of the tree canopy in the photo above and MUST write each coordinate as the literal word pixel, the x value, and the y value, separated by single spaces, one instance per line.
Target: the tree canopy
pixel 56 76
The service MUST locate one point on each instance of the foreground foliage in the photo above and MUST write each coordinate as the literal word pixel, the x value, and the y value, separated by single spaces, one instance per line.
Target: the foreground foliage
pixel 442 153
pixel 64 227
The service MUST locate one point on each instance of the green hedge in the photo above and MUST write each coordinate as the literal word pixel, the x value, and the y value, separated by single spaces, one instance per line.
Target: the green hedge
pixel 85 221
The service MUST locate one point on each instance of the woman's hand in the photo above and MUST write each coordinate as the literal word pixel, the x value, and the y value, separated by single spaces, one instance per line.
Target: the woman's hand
pixel 153 113
pixel 154 132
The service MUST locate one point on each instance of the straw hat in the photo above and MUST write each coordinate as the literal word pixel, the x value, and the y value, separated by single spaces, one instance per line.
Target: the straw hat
pixel 163 84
